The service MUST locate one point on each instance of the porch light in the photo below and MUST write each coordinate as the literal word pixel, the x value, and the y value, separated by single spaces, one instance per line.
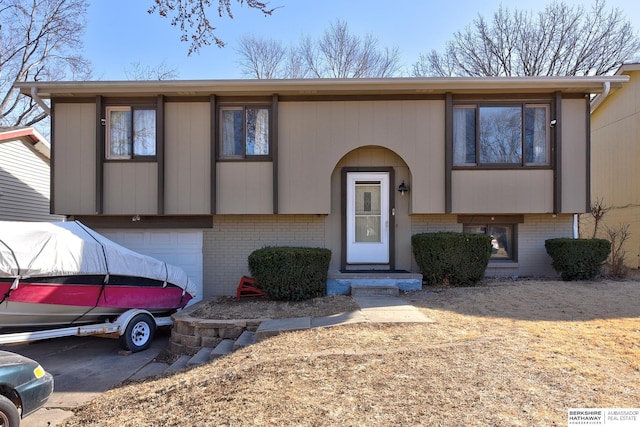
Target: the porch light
pixel 135 218
pixel 403 188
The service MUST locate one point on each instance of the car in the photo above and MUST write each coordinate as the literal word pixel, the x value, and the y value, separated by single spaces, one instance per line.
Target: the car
pixel 24 387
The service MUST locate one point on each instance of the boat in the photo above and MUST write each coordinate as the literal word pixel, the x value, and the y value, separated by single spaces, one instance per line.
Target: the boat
pixel 54 274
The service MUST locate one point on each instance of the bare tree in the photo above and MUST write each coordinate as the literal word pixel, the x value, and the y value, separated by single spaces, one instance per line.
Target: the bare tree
pixel 137 71
pixel 261 58
pixel 342 54
pixel 560 40
pixel 337 54
pixel 192 16
pixel 39 40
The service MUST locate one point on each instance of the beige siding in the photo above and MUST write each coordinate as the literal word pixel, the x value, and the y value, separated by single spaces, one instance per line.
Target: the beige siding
pixel 24 184
pixel 187 158
pixel 244 188
pixel 615 147
pixel 502 191
pixel 74 159
pixel 314 136
pixel 228 245
pixel 130 188
pixel 615 164
pixel 574 156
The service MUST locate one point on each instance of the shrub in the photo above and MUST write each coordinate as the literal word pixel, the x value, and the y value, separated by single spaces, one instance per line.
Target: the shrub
pixel 291 273
pixel 578 259
pixel 452 258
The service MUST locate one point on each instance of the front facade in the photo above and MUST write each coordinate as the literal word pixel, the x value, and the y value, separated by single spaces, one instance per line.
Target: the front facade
pixel 357 166
pixel 615 170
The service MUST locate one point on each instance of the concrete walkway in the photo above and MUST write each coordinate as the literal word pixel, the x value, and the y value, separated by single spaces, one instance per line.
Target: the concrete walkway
pixel 373 309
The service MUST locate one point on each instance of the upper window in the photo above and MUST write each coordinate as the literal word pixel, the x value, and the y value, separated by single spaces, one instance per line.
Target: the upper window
pixel 244 132
pixel 505 135
pixel 130 133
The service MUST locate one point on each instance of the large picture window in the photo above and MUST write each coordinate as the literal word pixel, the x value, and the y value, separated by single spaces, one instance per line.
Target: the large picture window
pixel 130 132
pixel 511 135
pixel 244 132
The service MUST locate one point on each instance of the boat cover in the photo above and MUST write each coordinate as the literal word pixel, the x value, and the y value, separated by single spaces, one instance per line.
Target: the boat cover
pixel 40 249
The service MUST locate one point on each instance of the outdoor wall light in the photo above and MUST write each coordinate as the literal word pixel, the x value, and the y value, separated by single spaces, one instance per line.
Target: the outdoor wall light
pixel 403 188
pixel 135 218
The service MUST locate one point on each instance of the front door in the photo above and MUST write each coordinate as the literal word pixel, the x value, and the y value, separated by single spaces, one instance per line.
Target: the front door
pixel 367 218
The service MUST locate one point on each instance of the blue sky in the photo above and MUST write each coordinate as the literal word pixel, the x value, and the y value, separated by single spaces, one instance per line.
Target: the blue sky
pixel 121 32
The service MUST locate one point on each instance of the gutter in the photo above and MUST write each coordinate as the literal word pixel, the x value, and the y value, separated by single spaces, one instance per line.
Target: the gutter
pixel 39 101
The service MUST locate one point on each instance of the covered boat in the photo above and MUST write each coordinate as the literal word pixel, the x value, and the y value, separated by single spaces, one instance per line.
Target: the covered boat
pixel 63 273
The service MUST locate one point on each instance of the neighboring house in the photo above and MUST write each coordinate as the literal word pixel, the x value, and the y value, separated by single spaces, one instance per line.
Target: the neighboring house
pixel 24 176
pixel 209 171
pixel 615 164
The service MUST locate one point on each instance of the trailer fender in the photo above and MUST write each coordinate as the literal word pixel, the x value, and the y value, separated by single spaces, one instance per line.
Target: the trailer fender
pixel 123 320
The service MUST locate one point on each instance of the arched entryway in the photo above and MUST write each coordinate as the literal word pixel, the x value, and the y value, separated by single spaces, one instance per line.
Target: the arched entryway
pixel 370 224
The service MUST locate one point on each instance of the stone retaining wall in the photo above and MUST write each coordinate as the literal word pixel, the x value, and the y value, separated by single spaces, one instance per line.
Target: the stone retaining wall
pixel 189 334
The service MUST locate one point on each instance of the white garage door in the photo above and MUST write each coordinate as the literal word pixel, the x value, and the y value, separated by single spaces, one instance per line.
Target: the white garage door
pixel 177 247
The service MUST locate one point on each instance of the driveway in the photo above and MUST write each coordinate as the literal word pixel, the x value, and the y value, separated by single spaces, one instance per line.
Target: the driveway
pixel 82 367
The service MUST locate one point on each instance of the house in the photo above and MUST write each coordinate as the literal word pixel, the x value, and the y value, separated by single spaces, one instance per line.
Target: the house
pixel 209 171
pixel 615 176
pixel 24 176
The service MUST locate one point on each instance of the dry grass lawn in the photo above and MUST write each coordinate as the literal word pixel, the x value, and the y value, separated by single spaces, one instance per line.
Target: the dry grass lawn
pixel 502 354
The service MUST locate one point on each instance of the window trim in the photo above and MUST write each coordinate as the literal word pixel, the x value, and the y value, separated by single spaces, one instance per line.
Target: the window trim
pixel 244 157
pixel 496 220
pixel 107 140
pixel 523 104
pixel 513 253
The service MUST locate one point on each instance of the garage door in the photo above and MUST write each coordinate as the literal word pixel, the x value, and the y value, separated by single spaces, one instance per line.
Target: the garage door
pixel 180 248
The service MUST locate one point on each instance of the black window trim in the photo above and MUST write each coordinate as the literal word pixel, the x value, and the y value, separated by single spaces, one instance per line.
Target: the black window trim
pixel 134 158
pixel 477 104
pixel 514 231
pixel 245 158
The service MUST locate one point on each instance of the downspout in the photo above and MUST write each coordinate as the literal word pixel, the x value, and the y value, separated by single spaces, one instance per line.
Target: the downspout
pixel 39 101
pixel 606 88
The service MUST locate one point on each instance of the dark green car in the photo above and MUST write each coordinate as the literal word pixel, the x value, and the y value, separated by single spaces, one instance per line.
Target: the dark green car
pixel 24 387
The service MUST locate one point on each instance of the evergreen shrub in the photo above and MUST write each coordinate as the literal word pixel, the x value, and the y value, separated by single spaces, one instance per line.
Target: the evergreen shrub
pixel 291 273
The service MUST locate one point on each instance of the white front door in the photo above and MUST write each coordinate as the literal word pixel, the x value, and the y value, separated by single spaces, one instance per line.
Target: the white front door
pixel 367 218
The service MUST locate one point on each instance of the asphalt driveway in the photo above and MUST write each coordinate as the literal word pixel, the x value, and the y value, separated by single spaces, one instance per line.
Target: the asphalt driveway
pixel 82 367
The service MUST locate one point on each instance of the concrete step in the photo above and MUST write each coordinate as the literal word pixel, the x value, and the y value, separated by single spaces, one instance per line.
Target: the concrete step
pixel 202 356
pixel 374 290
pixel 223 348
pixel 246 339
pixel 179 364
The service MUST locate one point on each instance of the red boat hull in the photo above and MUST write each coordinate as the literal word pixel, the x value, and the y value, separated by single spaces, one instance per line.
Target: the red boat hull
pixel 43 304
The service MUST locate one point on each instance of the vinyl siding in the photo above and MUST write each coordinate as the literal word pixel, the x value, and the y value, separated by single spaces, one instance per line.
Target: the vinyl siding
pixel 615 160
pixel 24 184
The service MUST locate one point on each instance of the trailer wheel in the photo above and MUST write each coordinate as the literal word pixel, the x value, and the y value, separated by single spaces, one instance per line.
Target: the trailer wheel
pixel 9 415
pixel 139 333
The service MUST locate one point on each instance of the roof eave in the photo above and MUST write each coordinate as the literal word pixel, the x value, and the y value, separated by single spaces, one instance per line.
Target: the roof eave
pixel 323 86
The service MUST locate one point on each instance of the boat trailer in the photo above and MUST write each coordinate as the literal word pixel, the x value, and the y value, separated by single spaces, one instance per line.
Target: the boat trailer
pixel 134 327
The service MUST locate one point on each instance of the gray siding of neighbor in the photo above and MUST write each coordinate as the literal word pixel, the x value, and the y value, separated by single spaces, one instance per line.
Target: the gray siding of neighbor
pixel 24 184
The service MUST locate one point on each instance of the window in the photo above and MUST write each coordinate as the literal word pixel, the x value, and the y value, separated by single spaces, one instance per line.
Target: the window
pixel 130 132
pixel 512 135
pixel 244 132
pixel 502 239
